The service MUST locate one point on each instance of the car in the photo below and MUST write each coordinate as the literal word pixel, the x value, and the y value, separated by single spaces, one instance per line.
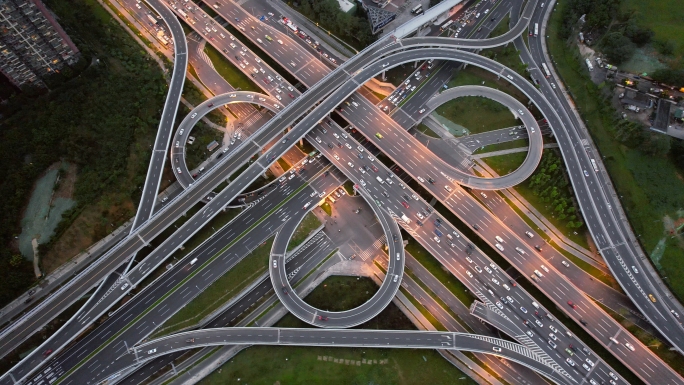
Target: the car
pixel 529 333
pixel 520 251
pixel 565 263
pixel 421 110
pixel 448 188
pixel 436 239
pixel 513 283
pixel 636 271
pixel 47 352
pixel 469 260
pixel 572 305
pixel 318 139
pixel 320 317
pixel 586 367
pixel 652 298
pixel 570 352
pixel 336 157
pixel 420 216
pixel 488 270
pixel 498 246
pixel 477 268
pixel 522 309
pixel 586 173
pixel 496 349
pixel 583 322
pixel 275 263
pixel 629 346
pixel 362 170
pixel 521 112
pixel 539 323
pixel 350 164
pixel 280 41
pixel 421 180
pixel 496 281
pixel 537 247
pixel 510 300
pixel 505 287
pixel 553 329
pixel 152 351
pixel 553 337
pixel 570 362
pixel 613 376
pixel 177 144
pixel 529 234
pixel 590 362
pixel 499 305
pixel 469 274
pixel 193 115
pixel 373 167
pixel 348 146
pixel 538 274
pixel 546 269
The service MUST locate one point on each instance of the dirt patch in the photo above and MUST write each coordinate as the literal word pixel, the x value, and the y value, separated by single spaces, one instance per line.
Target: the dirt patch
pixel 92 224
pixel 67 180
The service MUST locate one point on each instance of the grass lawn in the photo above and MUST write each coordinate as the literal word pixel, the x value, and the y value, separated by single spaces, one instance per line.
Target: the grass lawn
pixel 477 114
pixel 225 68
pixel 442 274
pixel 505 164
pixel 651 188
pixel 664 17
pixel 349 187
pixel 304 365
pixel 504 146
pixel 197 152
pixel 222 290
pixel 340 293
pixel 427 131
pixel 501 28
pixel 306 226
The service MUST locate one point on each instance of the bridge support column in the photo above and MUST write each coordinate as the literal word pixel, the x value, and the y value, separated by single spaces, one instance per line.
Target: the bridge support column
pixel 384 76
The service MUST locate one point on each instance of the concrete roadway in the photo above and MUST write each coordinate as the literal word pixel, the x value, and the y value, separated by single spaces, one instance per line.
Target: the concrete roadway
pixel 596 314
pixel 602 208
pixel 338 338
pixel 185 127
pixel 450 252
pixel 348 318
pixel 298 266
pixel 161 300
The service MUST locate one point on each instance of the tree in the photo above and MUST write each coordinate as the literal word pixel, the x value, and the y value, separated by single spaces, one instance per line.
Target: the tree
pixel 639 35
pixel 617 47
pixel 669 76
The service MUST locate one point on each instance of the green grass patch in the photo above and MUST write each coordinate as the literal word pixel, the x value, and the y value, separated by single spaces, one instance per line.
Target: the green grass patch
pixel 426 130
pixel 477 114
pixel 327 208
pixel 228 71
pixel 349 187
pixel 518 143
pixel 440 272
pixel 306 226
pixel 431 318
pixel 650 187
pixel 664 17
pixel 340 293
pixel 501 28
pixel 505 164
pixel 223 289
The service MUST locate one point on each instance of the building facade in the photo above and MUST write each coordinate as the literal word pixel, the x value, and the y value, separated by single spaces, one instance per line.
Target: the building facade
pixel 32 43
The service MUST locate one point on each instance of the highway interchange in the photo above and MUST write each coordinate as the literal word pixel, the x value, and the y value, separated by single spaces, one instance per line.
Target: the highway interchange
pixel 344 86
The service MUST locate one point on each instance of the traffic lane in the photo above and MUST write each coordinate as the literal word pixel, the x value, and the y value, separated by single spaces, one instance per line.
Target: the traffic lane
pixel 426 237
pixel 327 319
pixel 146 298
pixel 592 287
pixel 599 231
pixel 160 313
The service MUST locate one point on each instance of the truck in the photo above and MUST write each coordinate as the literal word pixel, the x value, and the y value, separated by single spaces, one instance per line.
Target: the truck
pixel 183 13
pixel 152 19
pixel 405 218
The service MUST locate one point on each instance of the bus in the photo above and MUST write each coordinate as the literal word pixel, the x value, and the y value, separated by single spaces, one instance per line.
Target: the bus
pixel 446 25
pixel 593 164
pixel 152 19
pixel 546 70
pixel 536 30
pixel 417 9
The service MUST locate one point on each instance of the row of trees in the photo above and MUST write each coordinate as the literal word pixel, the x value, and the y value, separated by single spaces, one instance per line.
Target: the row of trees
pixel 353 28
pixel 93 116
pixel 551 185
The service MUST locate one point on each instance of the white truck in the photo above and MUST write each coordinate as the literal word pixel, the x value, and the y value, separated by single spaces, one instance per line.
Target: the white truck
pixel 405 218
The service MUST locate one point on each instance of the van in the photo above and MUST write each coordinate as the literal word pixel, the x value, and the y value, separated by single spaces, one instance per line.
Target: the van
pixel 379 179
pixel 536 305
pixel 194 260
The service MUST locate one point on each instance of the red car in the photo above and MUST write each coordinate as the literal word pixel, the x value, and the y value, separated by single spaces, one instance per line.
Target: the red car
pixel 404 204
pixel 572 305
pixel 292 96
pixel 47 352
pixel 266 81
pixel 374 168
pixel 321 318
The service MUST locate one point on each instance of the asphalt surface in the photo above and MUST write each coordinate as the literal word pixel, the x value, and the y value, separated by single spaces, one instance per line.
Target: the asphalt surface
pixel 339 338
pixel 348 318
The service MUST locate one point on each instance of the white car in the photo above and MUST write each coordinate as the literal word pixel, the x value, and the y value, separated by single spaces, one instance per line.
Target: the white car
pixel 318 139
pixel 421 180
pixel 275 263
pixel 546 269
pixel 499 305
pixel 152 351
pixel 335 135
pixel 633 267
pixel 350 164
pixel 469 274
pixel 436 239
pixel 553 336
pixel 363 183
pixel 488 270
pixel 280 41
pixel 498 246
pixel 506 287
pixel 496 281
pixel 499 239
pixel 420 216
pixel 336 157
pixel 348 146
pixel 629 346
pixel 565 263
pixel 469 260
